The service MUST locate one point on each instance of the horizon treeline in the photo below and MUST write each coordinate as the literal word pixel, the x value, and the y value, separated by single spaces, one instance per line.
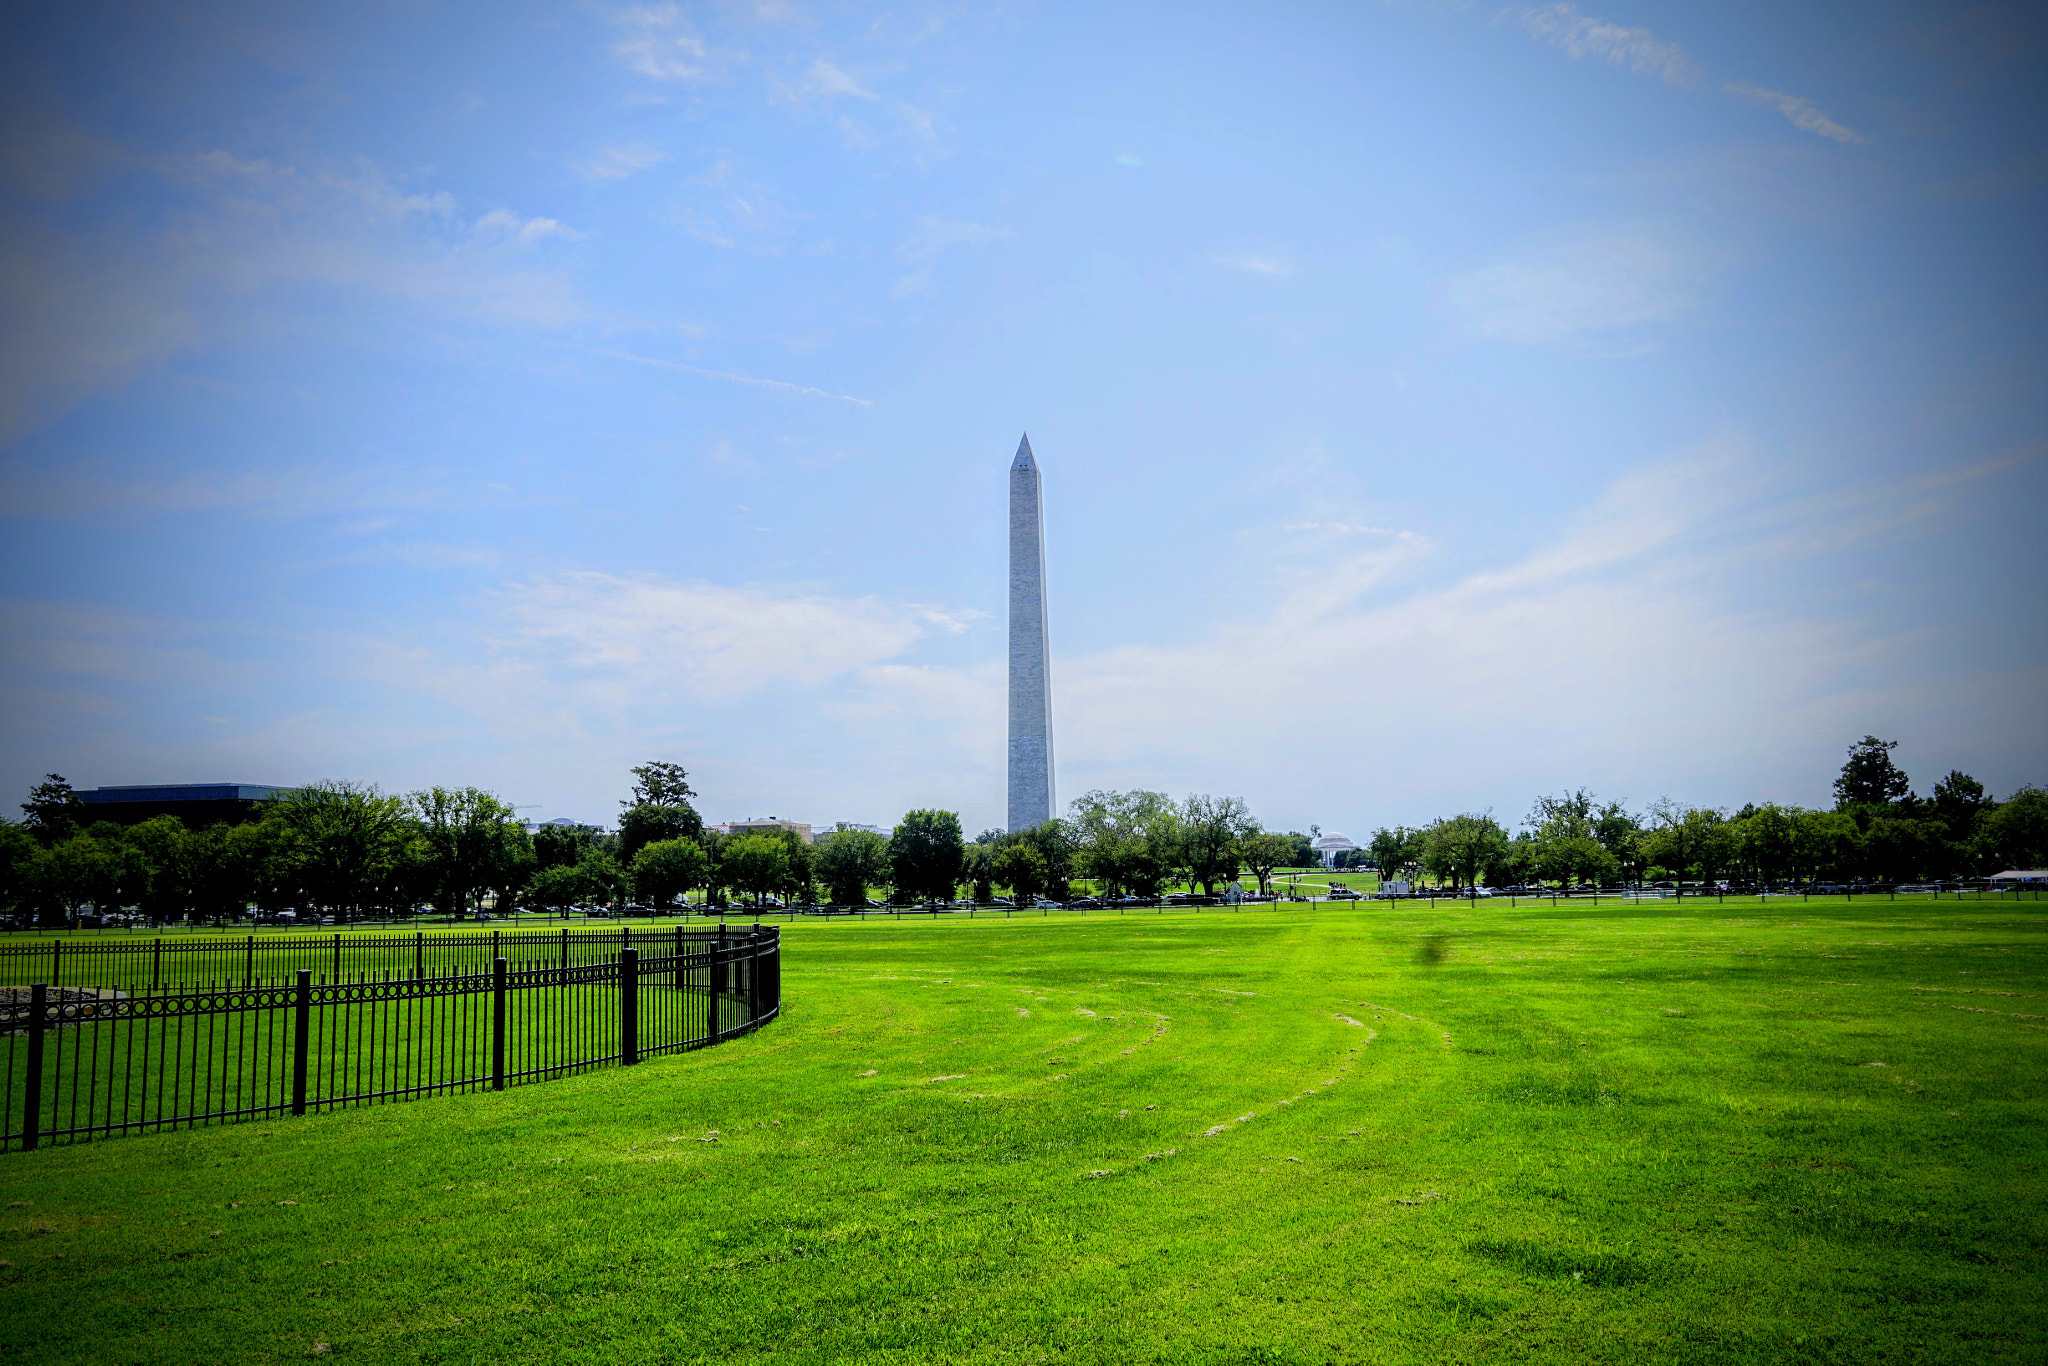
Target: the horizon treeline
pixel 1878 831
pixel 355 851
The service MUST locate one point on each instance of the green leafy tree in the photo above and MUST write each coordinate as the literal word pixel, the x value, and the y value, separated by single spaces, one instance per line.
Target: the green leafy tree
pixel 1691 841
pixel 2014 835
pixel 799 867
pixel 1565 847
pixel 594 879
pixel 665 870
pixel 659 808
pixel 1058 843
pixel 1825 844
pixel 166 849
pixel 1958 799
pixel 1457 848
pixel 19 854
pixel 1766 843
pixel 1123 840
pixel 1572 859
pixel 756 864
pixel 1263 853
pixel 98 869
pixel 1396 852
pixel 1620 834
pixel 558 888
pixel 1516 865
pixel 977 871
pixel 849 862
pixel 645 823
pixel 53 812
pixel 926 854
pixel 230 866
pixel 471 837
pixel 1870 778
pixel 1212 831
pixel 1901 849
pixel 563 846
pixel 336 840
pixel 1021 868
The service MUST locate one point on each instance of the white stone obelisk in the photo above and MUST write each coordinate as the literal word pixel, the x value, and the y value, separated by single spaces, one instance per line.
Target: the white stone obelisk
pixel 1030 664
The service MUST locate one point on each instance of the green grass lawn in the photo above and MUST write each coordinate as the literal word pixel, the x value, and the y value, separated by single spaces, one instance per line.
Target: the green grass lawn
pixel 1806 1132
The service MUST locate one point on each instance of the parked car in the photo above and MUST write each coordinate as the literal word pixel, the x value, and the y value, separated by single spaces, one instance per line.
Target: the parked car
pixel 1342 893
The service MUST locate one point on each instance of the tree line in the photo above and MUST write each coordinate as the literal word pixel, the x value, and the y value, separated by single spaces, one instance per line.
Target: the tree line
pixel 1878 831
pixel 356 852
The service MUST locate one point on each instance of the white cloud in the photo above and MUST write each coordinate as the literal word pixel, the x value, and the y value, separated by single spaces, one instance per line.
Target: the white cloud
pixel 105 300
pixel 617 163
pixel 1642 649
pixel 730 376
pixel 657 42
pixel 715 641
pixel 1591 286
pixel 1800 112
pixel 824 86
pixel 1581 35
pixel 827 79
pixel 506 226
pixel 1270 266
pixel 731 211
pixel 931 239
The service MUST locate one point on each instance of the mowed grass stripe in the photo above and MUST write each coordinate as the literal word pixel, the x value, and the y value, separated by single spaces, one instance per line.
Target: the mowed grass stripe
pixel 1626 1134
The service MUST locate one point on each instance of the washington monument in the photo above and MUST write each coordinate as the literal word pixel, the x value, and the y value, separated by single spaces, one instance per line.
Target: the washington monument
pixel 1030 672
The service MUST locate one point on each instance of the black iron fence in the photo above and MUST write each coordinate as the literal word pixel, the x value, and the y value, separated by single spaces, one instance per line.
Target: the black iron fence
pixel 115 1055
pixel 132 963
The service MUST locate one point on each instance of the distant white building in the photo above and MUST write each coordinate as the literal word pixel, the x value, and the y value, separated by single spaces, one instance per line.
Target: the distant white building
pixel 1329 846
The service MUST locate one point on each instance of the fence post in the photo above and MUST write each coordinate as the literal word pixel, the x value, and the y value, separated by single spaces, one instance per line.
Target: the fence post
pixel 337 955
pixel 754 980
pixel 419 955
pixel 629 1006
pixel 156 964
pixel 302 1032
pixel 498 1024
pixel 249 962
pixel 56 961
pixel 32 1102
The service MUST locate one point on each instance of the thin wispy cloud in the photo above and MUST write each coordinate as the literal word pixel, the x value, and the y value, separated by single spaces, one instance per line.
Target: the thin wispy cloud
pixel 1272 267
pixel 1801 113
pixel 1592 286
pixel 617 163
pixel 728 210
pixel 116 294
pixel 729 376
pixel 506 226
pixel 828 79
pixel 930 240
pixel 657 41
pixel 1580 35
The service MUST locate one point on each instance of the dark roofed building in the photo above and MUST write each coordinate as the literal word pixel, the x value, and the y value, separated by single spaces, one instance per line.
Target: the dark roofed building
pixel 195 804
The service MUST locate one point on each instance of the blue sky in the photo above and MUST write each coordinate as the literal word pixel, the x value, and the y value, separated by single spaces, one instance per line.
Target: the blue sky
pixel 1438 404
